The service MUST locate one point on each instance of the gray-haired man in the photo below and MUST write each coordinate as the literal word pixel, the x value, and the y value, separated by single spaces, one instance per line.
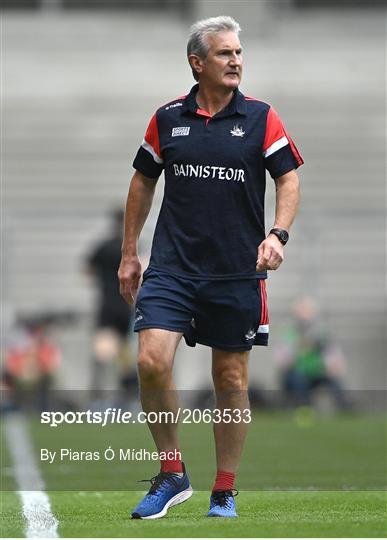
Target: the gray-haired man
pixel 210 253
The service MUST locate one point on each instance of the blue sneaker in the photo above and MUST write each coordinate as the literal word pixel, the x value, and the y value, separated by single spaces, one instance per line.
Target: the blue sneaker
pixel 222 504
pixel 168 489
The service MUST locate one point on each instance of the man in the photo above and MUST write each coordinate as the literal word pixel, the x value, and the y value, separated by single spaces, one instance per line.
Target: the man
pixel 206 277
pixel 113 314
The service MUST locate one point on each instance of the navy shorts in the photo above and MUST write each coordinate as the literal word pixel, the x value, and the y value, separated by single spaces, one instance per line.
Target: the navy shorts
pixel 230 315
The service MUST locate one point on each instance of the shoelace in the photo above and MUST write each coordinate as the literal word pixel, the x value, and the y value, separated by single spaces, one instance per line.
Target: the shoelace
pixel 222 498
pixel 159 479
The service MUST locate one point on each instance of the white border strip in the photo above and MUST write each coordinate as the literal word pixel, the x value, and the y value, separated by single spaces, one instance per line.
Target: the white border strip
pixel 276 146
pixel 150 149
pixel 263 329
pixel 41 522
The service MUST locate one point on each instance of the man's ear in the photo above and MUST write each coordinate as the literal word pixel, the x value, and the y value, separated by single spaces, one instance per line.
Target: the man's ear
pixel 196 63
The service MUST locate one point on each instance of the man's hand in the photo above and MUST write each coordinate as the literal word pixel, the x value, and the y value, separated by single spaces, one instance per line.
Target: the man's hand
pixel 270 254
pixel 129 274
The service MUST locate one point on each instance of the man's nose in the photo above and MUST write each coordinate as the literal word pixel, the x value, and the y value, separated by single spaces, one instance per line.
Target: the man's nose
pixel 235 59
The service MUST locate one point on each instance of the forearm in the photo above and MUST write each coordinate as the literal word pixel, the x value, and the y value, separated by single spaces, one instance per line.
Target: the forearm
pixel 138 205
pixel 270 251
pixel 287 200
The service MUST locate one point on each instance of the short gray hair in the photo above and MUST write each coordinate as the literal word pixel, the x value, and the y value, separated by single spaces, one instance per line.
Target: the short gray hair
pixel 196 41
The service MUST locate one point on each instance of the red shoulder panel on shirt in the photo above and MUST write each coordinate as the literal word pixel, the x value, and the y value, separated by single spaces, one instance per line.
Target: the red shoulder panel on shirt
pixel 274 129
pixel 296 153
pixel 152 135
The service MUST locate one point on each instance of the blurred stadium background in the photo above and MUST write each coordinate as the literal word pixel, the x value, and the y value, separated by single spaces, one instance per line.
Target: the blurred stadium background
pixel 81 79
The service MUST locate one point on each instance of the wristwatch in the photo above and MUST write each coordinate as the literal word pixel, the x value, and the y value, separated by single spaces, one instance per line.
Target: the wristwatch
pixel 281 234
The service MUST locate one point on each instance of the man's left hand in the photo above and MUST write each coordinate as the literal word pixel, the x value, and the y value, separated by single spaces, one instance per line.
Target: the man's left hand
pixel 270 254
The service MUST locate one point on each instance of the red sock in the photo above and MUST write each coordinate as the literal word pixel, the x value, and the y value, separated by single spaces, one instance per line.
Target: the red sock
pixel 224 481
pixel 172 462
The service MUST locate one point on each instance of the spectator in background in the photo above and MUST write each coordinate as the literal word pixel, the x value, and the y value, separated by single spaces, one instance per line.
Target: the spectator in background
pixel 31 360
pixel 111 349
pixel 309 359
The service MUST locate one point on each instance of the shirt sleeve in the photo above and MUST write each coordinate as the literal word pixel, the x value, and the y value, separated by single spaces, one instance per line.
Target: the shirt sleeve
pixel 148 159
pixel 279 151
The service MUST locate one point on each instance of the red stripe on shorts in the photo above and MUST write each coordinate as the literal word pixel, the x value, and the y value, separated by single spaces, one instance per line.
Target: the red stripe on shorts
pixel 264 307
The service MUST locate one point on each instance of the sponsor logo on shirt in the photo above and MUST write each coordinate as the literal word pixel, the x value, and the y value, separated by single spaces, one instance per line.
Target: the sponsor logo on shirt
pixel 180 131
pixel 237 131
pixel 178 104
pixel 209 172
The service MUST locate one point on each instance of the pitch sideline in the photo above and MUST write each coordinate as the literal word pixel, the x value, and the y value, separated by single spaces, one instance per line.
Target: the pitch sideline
pixel 41 523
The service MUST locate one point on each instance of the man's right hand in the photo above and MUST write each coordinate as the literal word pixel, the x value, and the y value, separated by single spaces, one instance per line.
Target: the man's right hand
pixel 129 274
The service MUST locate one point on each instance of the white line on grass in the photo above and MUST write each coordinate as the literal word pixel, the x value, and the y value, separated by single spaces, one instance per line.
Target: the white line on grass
pixel 41 522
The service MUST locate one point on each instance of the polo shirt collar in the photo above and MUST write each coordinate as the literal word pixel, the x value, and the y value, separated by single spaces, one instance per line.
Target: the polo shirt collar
pixel 237 104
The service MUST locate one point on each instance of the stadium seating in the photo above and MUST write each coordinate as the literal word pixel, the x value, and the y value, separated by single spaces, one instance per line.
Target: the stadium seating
pixel 79 90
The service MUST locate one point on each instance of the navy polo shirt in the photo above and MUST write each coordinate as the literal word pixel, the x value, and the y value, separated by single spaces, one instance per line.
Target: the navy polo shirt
pixel 211 220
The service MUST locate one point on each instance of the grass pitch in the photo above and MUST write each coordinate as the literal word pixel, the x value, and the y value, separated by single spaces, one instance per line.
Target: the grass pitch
pixel 344 452
pixel 320 479
pixel 261 514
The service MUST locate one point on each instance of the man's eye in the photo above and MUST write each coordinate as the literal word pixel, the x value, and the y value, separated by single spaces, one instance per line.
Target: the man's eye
pixel 229 53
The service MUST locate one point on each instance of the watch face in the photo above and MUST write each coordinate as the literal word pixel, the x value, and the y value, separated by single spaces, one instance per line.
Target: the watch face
pixel 284 236
pixel 281 234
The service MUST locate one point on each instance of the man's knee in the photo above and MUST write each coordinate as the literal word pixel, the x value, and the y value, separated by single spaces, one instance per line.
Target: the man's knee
pixel 230 370
pixel 231 378
pixel 151 364
pixel 156 352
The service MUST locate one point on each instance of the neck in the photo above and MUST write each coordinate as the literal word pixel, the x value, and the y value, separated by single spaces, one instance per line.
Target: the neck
pixel 213 101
